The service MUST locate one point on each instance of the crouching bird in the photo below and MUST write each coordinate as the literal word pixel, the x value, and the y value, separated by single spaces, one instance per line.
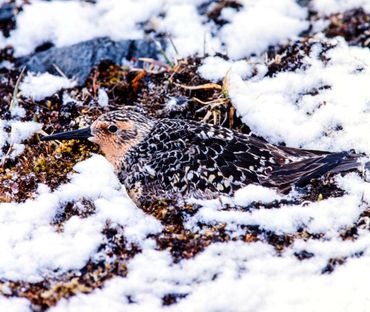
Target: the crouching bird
pixel 179 159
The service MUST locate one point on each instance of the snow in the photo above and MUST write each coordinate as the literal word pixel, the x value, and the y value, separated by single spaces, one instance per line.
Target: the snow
pixel 19 132
pixel 232 276
pixel 281 109
pixel 216 69
pixel 328 7
pixel 14 304
pixel 6 64
pixel 61 19
pixel 40 86
pixel 2 39
pixel 270 283
pixel 246 34
pixel 168 278
pixel 103 99
pixel 328 215
pixel 190 36
pixel 254 193
pixel 260 24
pixel 31 246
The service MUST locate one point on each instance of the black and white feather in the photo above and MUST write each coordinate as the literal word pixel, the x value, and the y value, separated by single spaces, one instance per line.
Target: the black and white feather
pixel 180 158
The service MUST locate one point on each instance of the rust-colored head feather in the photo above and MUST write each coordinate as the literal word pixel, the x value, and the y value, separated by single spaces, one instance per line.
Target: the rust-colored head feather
pixel 116 132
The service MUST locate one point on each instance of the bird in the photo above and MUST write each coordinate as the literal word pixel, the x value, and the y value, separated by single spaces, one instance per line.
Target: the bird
pixel 169 159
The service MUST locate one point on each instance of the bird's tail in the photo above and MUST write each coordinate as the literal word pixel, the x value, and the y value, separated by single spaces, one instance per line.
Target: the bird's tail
pixel 300 173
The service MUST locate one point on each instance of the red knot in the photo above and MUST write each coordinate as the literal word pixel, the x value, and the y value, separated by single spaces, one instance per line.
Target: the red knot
pixel 179 159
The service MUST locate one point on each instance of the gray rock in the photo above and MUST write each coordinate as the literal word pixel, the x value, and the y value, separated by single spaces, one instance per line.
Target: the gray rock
pixel 78 60
pixel 7 18
pixel 7 12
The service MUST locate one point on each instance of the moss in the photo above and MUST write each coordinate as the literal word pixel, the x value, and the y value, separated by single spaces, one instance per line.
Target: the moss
pixel 47 163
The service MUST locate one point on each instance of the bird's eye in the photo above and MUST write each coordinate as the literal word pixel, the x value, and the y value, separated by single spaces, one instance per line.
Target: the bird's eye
pixel 112 128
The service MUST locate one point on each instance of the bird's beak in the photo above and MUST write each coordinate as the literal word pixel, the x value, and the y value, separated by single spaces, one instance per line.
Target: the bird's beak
pixel 79 134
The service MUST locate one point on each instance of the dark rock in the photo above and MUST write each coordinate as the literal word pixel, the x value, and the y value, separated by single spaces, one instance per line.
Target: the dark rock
pixel 7 19
pixel 6 12
pixel 170 299
pixel 303 3
pixel 44 46
pixel 304 254
pixel 78 60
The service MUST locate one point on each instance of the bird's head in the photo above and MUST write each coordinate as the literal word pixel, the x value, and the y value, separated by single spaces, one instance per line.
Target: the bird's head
pixel 115 132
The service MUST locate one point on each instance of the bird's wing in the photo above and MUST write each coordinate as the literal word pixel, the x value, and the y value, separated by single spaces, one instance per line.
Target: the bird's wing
pixel 182 158
pixel 299 152
pixel 195 156
pixel 301 172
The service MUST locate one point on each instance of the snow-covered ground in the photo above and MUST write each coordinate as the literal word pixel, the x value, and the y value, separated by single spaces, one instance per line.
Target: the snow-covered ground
pixel 232 276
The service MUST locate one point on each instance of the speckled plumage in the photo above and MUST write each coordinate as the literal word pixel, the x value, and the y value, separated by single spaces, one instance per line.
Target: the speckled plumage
pixel 177 159
pixel 181 158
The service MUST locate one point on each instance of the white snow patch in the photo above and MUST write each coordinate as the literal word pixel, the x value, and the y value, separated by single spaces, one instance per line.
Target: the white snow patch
pixel 22 130
pixel 68 99
pixel 14 304
pixel 18 111
pixel 31 246
pixel 2 39
pixel 6 64
pixel 261 23
pixel 190 35
pixel 146 285
pixel 318 217
pixel 282 109
pixel 103 98
pixel 216 69
pixel 325 216
pixel 270 282
pixel 328 7
pixel 40 86
pixel 19 132
pixel 255 193
pixel 257 25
